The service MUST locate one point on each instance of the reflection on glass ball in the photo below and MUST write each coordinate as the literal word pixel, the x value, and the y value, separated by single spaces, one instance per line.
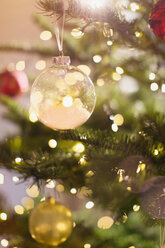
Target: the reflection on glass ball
pixel 50 222
pixel 153 197
pixel 62 96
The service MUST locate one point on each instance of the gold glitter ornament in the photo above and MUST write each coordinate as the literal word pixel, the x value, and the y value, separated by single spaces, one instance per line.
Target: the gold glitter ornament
pixel 50 222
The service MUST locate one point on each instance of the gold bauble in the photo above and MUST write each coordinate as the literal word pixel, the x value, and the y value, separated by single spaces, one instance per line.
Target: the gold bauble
pixel 50 222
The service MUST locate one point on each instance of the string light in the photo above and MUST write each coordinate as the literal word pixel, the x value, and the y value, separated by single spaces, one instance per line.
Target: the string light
pixel 15 179
pixel 136 208
pixel 105 222
pixel 156 152
pixel 138 34
pixel 152 76
pixel 97 58
pixel 52 143
pixel 82 161
pixel 3 216
pixel 129 188
pixel 20 66
pixel 32 116
pixel 2 178
pixel 45 35
pixel 79 147
pixel 60 188
pixel 118 120
pixel 19 209
pixel 94 4
pixel 77 33
pixel 100 82
pixel 4 242
pixel 163 88
pixel 119 70
pixel 40 65
pixel 33 191
pixel 67 101
pixel 50 184
pixel 28 203
pixel 116 76
pixel 114 127
pixel 90 173
pixel 134 6
pixel 18 160
pixel 109 43
pixel 73 191
pixel 141 167
pixel 89 205
pixel 87 246
pixel 154 87
pixel 85 69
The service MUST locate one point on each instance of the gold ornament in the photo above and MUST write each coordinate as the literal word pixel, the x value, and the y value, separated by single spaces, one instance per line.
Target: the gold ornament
pixel 50 222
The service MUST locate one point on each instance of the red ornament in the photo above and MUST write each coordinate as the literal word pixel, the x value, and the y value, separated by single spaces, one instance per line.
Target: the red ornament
pixel 157 19
pixel 13 83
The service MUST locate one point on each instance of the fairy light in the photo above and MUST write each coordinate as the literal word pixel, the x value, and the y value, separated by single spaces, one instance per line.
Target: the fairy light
pixel 114 127
pixel 85 69
pixel 89 205
pixel 118 120
pixel 97 59
pixel 20 66
pixel 18 160
pixel 154 87
pixel 40 65
pixel 120 173
pixel 129 188
pixel 28 203
pixel 136 208
pixel 156 152
pixel 60 188
pixel 100 82
pixel 109 43
pixel 94 4
pixel 3 216
pixel 73 191
pixel 138 34
pixel 152 76
pixel 67 101
pixel 15 179
pixel 134 6
pixel 32 116
pixel 52 143
pixel 87 246
pixel 77 33
pixel 79 147
pixel 132 246
pixel 90 173
pixel 33 191
pixel 19 209
pixel 105 222
pixel 2 178
pixel 116 76
pixel 82 161
pixel 141 167
pixel 50 184
pixel 163 88
pixel 119 70
pixel 45 35
pixel 4 242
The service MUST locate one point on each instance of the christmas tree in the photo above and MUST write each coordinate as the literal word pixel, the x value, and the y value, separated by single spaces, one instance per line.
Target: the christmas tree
pixel 91 140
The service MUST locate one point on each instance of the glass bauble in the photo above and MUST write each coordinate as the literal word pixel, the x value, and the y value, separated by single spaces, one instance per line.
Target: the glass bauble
pixel 50 222
pixel 62 96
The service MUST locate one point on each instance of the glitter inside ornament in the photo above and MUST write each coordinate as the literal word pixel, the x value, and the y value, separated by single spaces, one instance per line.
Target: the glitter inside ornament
pixel 50 222
pixel 62 96
pixel 157 19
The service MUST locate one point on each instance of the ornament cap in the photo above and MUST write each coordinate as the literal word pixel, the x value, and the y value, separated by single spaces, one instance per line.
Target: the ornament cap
pixel 62 60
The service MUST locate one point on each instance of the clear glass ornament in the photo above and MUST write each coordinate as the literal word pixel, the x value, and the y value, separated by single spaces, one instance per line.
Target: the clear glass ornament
pixel 62 96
